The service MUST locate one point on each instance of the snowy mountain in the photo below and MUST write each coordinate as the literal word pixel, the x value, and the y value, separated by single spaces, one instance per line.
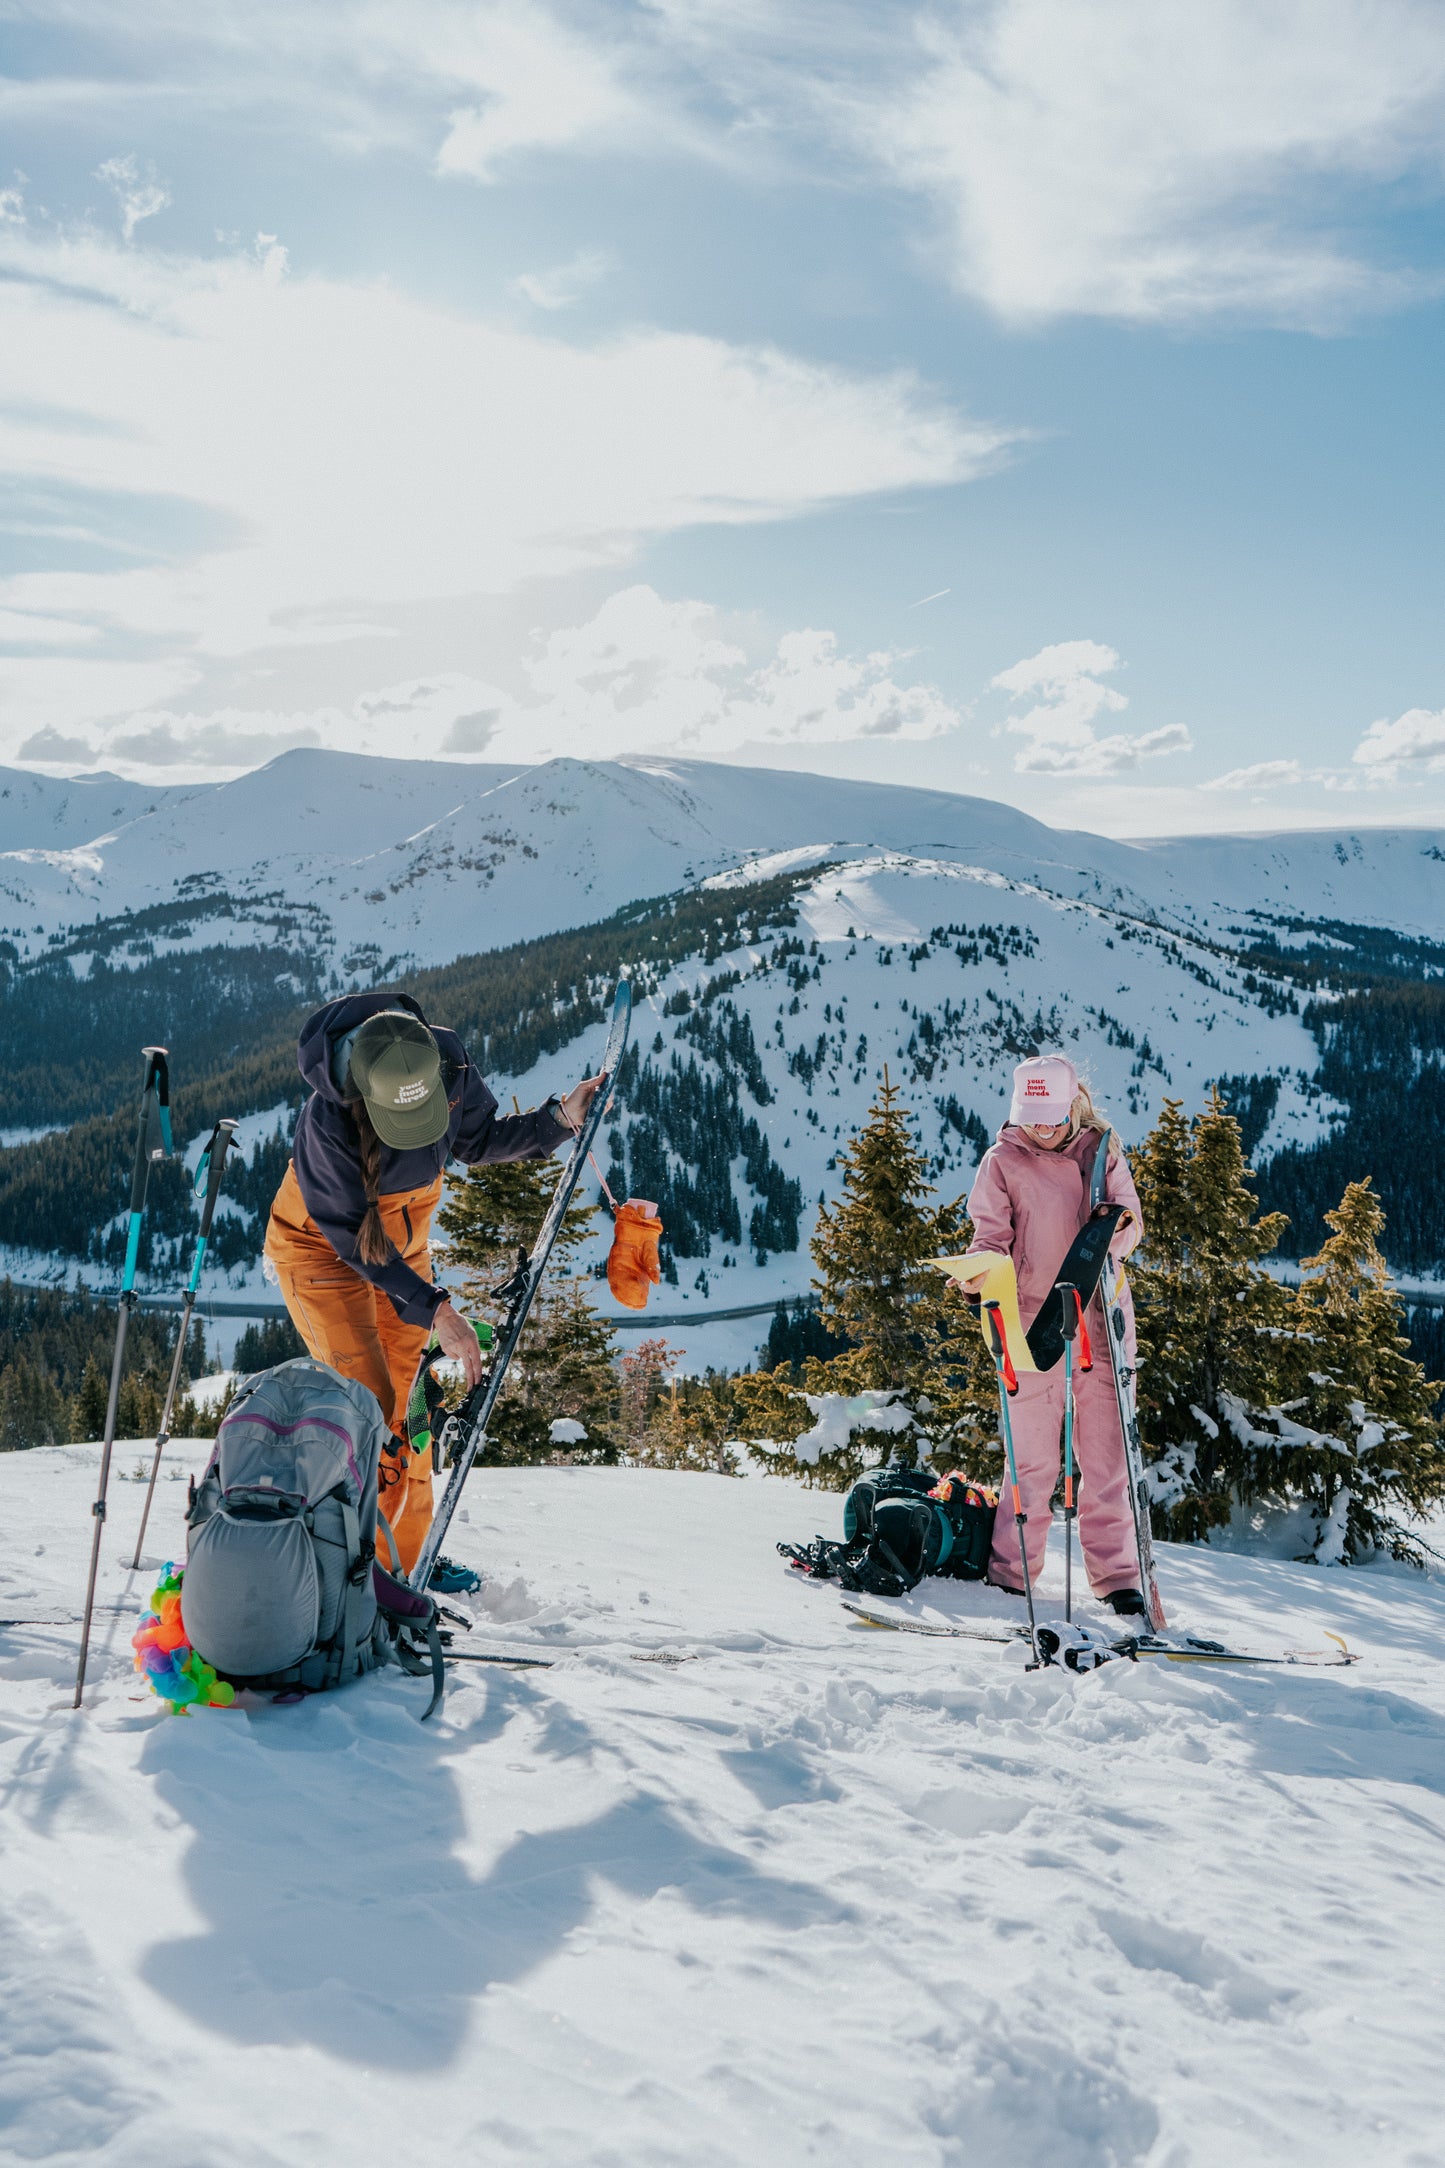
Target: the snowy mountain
pixel 415 862
pixel 855 928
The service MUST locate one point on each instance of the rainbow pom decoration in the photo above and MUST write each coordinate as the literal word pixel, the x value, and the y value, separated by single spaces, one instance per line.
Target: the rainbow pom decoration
pixel 165 1658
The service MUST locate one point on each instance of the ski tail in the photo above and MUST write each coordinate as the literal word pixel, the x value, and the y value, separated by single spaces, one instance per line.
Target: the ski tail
pixel 1111 1285
pixel 466 1432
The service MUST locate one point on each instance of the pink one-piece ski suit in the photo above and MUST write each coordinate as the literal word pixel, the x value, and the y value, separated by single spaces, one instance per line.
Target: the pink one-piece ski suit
pixel 1029 1203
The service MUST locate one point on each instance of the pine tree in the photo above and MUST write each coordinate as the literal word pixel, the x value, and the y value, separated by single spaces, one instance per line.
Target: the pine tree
pixel 905 1332
pixel 87 1419
pixel 33 1410
pixel 563 1363
pixel 1212 1323
pixel 1376 1443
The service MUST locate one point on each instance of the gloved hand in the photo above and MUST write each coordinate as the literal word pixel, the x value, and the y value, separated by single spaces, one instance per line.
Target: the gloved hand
pixel 632 1263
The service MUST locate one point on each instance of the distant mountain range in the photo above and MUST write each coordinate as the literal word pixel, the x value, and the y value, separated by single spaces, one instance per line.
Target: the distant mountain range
pixel 414 862
pixel 790 934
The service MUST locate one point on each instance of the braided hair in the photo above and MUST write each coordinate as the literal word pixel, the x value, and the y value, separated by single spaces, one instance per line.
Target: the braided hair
pixel 373 1244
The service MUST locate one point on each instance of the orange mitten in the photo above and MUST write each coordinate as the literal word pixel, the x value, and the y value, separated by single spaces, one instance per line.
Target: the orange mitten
pixel 632 1261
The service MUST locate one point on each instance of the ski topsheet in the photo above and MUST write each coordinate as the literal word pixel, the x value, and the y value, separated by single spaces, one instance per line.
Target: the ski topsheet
pixel 466 1431
pixel 1111 1288
pixel 1157 1648
pixel 1081 1271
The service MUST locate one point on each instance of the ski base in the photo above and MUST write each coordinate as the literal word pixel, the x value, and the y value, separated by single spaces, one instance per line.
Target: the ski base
pixel 1070 1643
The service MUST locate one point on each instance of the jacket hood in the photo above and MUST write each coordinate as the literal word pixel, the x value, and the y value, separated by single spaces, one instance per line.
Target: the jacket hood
pixel 324 1030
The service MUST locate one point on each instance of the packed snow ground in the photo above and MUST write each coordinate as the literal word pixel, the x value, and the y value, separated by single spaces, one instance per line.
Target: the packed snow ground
pixel 812 1893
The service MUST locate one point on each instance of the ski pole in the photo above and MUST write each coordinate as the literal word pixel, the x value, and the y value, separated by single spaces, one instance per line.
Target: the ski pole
pixel 153 1141
pixel 1008 1384
pixel 208 1188
pixel 1072 1317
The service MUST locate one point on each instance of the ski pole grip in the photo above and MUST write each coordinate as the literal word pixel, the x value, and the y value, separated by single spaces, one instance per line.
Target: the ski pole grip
pixel 223 1136
pixel 1069 1299
pixel 998 1341
pixel 1086 1349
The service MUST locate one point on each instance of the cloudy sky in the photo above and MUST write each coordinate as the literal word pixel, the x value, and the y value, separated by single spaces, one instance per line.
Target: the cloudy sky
pixel 1037 398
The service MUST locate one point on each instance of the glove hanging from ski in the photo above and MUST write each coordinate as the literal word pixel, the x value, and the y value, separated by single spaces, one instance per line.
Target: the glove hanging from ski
pixel 632 1263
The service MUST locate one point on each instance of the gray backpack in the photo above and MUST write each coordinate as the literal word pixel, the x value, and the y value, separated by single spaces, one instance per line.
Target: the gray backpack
pixel 281 1590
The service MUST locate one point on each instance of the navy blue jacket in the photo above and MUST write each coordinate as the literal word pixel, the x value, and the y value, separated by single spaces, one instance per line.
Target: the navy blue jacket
pixel 327 1153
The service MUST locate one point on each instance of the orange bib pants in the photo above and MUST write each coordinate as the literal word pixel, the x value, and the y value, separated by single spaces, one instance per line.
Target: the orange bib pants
pixel 346 1322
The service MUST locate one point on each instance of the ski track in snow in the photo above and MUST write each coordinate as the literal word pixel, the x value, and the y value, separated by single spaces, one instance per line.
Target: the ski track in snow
pixel 818 1893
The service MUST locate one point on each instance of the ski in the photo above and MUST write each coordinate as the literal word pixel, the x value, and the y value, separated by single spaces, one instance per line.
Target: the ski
pixel 1079 1274
pixel 1002 1635
pixel 1115 1328
pixel 1136 1648
pixel 509 1663
pixel 464 1434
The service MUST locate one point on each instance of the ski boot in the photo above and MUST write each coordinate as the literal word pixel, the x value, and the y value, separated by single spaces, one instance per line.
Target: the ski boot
pixel 1077 1648
pixel 1126 1603
pixel 450 1579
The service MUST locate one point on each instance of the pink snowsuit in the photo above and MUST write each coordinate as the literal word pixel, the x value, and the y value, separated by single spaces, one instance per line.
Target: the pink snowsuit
pixel 1030 1203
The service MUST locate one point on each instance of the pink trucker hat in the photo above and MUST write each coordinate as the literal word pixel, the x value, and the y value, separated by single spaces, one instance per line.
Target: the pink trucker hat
pixel 1043 1090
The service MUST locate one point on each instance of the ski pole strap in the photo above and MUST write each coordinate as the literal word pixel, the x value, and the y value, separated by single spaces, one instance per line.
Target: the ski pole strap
pixel 998 1340
pixel 591 1156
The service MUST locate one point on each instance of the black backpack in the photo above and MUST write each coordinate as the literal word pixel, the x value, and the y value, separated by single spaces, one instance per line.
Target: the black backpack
pixel 899 1526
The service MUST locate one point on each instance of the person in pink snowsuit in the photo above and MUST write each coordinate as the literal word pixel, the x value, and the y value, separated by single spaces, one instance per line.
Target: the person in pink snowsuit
pixel 1029 1199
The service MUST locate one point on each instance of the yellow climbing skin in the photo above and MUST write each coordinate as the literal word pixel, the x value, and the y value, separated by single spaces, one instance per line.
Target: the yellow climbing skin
pixel 998 1285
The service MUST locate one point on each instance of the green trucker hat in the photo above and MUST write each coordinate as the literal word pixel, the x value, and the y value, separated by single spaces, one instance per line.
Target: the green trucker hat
pixel 397 1069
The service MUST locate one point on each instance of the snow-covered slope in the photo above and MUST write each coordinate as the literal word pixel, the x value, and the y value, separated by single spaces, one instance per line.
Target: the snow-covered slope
pixel 812 1894
pixel 428 860
pixel 1362 876
pixel 45 813
pixel 1144 1012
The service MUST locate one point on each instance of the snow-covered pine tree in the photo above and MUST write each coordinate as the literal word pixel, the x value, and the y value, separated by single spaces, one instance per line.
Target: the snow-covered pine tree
pixel 906 1335
pixel 1212 1323
pixel 1375 1448
pixel 563 1364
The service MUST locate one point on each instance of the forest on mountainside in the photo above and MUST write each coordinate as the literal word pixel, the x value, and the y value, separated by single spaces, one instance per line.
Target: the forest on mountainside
pixel 65 1192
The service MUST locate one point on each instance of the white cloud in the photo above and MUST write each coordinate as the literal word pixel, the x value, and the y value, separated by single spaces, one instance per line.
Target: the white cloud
pixel 1154 159
pixel 542 88
pixel 342 449
pixel 1415 740
pixel 646 673
pixel 137 198
pixel 1141 159
pixel 564 285
pixel 1060 723
pixel 642 674
pixel 1260 775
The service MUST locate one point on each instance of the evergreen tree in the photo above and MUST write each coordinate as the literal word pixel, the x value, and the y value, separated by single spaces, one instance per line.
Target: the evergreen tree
pixel 1211 1321
pixel 672 1422
pixel 904 1332
pixel 33 1410
pixel 1302 1404
pixel 87 1417
pixel 563 1363
pixel 1376 1442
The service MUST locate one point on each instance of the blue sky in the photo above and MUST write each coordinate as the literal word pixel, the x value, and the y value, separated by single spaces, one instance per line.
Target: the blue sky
pixel 1038 398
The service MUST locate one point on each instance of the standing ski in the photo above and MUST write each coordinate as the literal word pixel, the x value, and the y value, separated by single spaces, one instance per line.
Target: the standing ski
pixel 153 1141
pixel 208 1189
pixel 1125 1382
pixel 465 1433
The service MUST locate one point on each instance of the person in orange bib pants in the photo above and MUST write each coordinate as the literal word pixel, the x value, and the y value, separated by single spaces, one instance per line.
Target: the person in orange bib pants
pixel 393 1098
